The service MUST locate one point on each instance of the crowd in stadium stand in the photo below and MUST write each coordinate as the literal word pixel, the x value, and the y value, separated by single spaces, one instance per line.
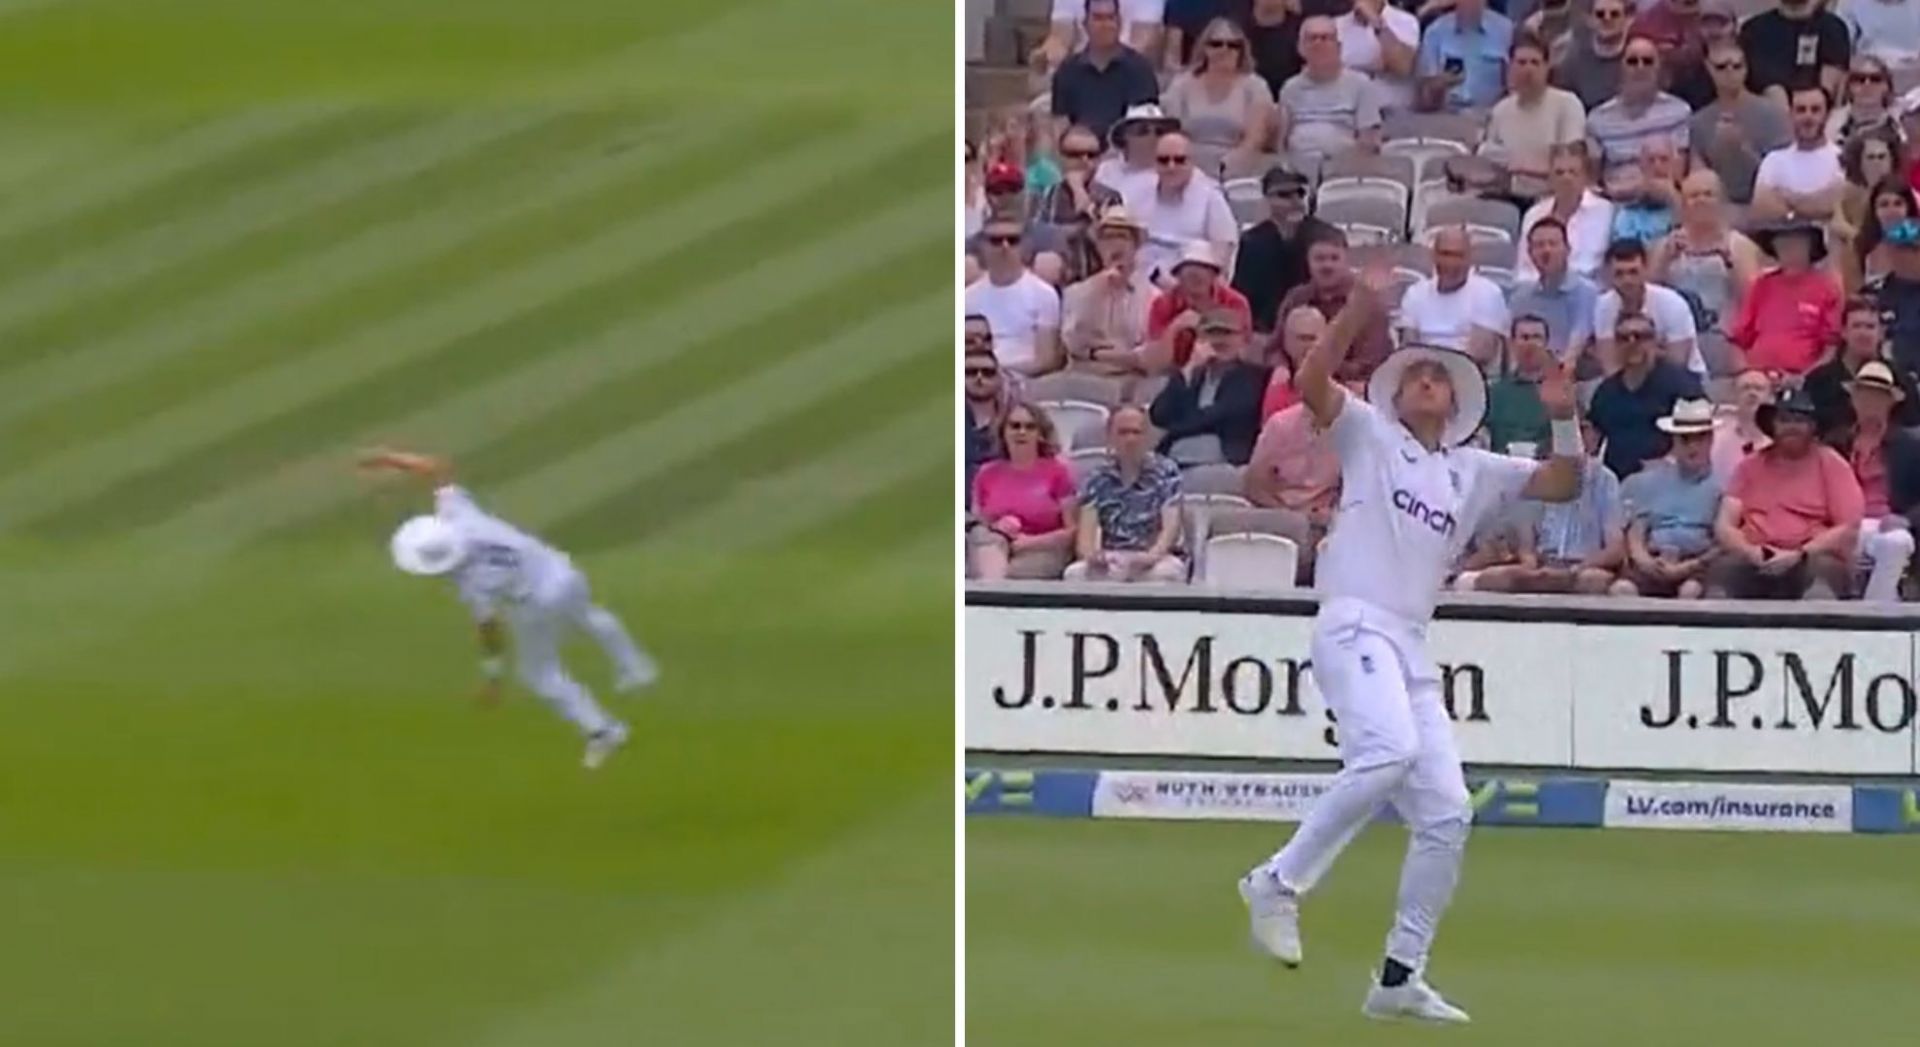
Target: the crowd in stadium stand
pixel 1710 220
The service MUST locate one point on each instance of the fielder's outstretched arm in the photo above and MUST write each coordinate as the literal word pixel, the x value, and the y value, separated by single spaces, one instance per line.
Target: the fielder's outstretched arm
pixel 1314 379
pixel 434 470
pixel 1558 478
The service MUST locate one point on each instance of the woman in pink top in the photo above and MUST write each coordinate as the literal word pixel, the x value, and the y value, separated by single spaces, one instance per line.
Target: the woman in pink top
pixel 1023 505
pixel 1791 314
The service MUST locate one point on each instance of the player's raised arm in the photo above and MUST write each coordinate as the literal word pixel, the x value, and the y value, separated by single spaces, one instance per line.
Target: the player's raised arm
pixel 1314 379
pixel 434 470
pixel 1558 478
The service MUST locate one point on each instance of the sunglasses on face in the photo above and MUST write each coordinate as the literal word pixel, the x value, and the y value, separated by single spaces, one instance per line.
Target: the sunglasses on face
pixel 983 372
pixel 1079 154
pixel 1608 16
pixel 1022 427
pixel 1639 60
pixel 1002 239
pixel 1867 78
pixel 1633 336
pixel 1171 161
pixel 1225 45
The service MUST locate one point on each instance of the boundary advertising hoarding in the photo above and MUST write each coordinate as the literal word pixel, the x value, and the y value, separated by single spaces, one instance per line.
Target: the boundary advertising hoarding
pixel 1195 675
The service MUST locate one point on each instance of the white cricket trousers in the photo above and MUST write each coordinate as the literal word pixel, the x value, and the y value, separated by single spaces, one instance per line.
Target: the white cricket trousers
pixel 1396 747
pixel 541 621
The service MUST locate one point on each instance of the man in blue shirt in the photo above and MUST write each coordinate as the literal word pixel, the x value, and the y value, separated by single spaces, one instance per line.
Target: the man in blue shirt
pixel 1672 504
pixel 1463 59
pixel 1561 297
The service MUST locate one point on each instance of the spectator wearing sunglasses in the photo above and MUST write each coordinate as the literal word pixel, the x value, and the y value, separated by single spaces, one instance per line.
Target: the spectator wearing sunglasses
pixel 1737 128
pixel 1674 26
pixel 1619 129
pixel 985 396
pixel 1797 44
pixel 1180 207
pixel 1022 310
pixel 1066 211
pixel 1717 25
pixel 1590 67
pixel 1886 29
pixel 1628 402
pixel 1273 253
pixel 1224 108
pixel 1868 106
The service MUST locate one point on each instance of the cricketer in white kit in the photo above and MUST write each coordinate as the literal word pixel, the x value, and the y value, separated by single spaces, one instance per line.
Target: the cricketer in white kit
pixel 504 573
pixel 1411 496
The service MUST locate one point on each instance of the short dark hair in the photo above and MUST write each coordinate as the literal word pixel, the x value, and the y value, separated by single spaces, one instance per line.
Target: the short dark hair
pixel 1331 234
pixel 1115 4
pixel 1525 40
pixel 1825 98
pixel 1626 249
pixel 1548 222
pixel 1642 317
pixel 1531 318
pixel 1860 304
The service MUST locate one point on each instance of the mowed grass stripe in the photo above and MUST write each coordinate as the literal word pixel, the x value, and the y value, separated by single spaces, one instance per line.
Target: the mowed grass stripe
pixel 743 346
pixel 898 515
pixel 465 420
pixel 397 303
pixel 74 395
pixel 572 485
pixel 127 173
pixel 631 512
pixel 121 286
pixel 30 255
pixel 740 513
pixel 136 474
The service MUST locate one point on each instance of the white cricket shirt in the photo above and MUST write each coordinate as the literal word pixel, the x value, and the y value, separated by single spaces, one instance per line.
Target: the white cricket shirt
pixel 503 563
pixel 1405 512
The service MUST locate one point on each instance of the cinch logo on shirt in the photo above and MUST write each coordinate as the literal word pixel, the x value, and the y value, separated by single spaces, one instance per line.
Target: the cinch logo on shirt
pixel 1435 520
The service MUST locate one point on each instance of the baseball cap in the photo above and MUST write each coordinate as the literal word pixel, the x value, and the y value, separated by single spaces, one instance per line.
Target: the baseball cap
pixel 1220 321
pixel 1003 177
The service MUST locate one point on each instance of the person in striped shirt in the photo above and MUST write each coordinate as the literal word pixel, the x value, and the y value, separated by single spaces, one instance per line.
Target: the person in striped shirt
pixel 1619 128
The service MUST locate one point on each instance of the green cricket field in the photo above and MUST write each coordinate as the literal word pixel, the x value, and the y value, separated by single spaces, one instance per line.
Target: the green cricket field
pixel 1132 934
pixel 672 283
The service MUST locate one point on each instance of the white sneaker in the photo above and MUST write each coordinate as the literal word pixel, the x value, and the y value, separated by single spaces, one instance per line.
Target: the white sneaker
pixel 1414 1001
pixel 1274 914
pixel 602 744
pixel 642 675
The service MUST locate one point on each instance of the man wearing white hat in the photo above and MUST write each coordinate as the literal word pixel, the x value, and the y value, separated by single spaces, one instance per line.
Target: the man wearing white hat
pixel 1410 498
pixel 1671 507
pixel 1886 460
pixel 504 573
pixel 1411 495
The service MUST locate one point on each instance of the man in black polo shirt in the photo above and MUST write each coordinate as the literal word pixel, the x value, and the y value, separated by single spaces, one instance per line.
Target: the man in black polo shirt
pixel 1644 390
pixel 1898 296
pixel 1094 87
pixel 1273 254
pixel 1797 44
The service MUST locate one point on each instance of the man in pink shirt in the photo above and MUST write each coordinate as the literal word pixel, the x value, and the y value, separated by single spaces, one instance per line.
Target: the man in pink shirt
pixel 1790 521
pixel 1294 469
pixel 1791 314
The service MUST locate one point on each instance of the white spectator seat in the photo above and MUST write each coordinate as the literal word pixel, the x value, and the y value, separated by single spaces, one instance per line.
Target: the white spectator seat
pixel 1221 479
pixel 1357 164
pixel 1363 234
pixel 1500 275
pixel 1080 423
pixel 1426 193
pixel 1377 205
pixel 1146 389
pixel 1072 385
pixel 1246 199
pixel 1500 254
pixel 1460 129
pixel 1484 219
pixel 1253 520
pixel 1249 562
pixel 1082 462
pixel 1347 189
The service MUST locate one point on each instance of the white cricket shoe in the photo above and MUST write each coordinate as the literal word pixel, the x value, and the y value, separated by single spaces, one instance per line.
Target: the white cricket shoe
pixel 602 744
pixel 1274 916
pixel 643 674
pixel 1413 1001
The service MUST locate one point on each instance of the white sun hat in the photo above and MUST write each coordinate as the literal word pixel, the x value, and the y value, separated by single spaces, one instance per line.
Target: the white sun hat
pixel 427 545
pixel 1469 387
